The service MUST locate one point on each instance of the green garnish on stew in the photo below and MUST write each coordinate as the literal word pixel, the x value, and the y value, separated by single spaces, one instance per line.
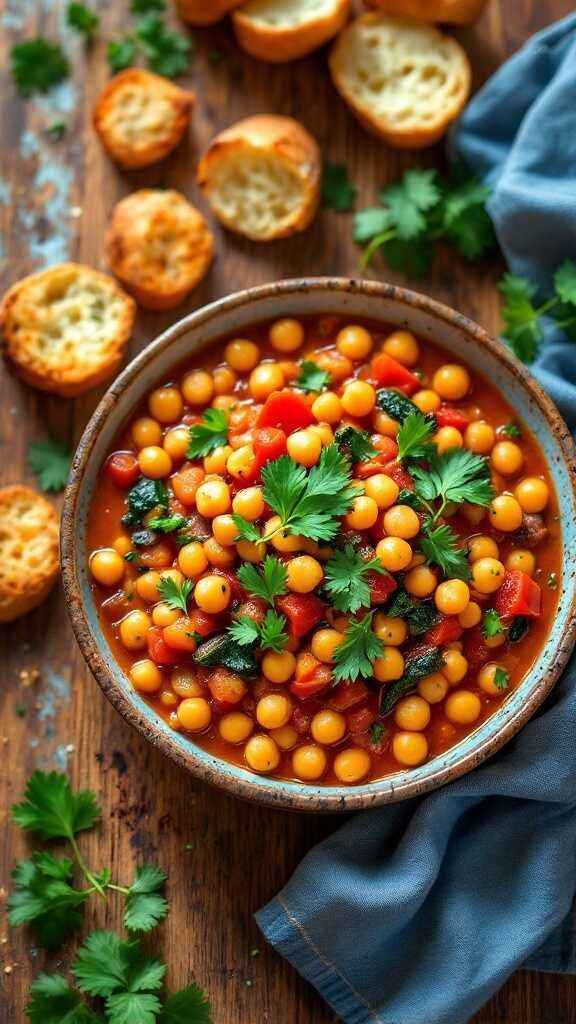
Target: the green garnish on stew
pixel 175 594
pixel 211 433
pixel 355 444
pixel 355 656
pixel 312 377
pixel 346 579
pixel 268 582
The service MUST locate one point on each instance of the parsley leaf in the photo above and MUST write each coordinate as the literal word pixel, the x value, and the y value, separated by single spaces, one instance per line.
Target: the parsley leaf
pixel 121 53
pixel 50 461
pixel 127 1007
pixel 345 579
pixel 511 430
pixel 268 583
pixel 52 1001
pixel 175 594
pixel 465 221
pixel 501 678
pixel 565 282
pixel 355 444
pixel 167 524
pixel 56 130
pixel 409 199
pixel 246 530
pixel 142 498
pixel 371 223
pixel 43 897
pixel 146 904
pixel 244 631
pixel 416 668
pixel 52 810
pixel 37 66
pixel 441 546
pixel 168 53
pixel 377 731
pixel 355 655
pixel 106 964
pixel 189 1006
pixel 312 377
pixel 211 433
pixel 83 19
pixel 522 330
pixel 492 623
pixel 338 192
pixel 270 634
pixel 414 436
pixel 455 476
pixel 145 6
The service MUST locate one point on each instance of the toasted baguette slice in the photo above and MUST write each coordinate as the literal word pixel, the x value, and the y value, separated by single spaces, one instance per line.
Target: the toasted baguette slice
pixel 28 550
pixel 66 328
pixel 283 30
pixel 141 117
pixel 405 81
pixel 261 177
pixel 205 12
pixel 454 12
pixel 159 245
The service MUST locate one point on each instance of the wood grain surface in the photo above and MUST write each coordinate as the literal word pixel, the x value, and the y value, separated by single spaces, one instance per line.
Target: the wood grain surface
pixel 224 858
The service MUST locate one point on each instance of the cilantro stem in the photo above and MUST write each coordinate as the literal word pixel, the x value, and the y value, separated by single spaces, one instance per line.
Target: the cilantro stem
pixel 85 869
pixel 374 245
pixel 547 306
pixel 119 888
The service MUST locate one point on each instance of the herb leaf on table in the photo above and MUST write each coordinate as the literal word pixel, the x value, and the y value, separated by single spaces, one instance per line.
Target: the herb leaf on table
pixel 52 810
pixel 54 1002
pixel 37 66
pixel 50 461
pixel 146 904
pixel 83 19
pixel 121 53
pixel 167 53
pixel 338 192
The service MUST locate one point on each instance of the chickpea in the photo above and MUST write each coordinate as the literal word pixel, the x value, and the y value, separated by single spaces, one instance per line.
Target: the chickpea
pixel 533 494
pixel 382 489
pixel 219 555
pixel 471 615
pixel 235 727
pixel 384 424
pixel 403 347
pixel 304 447
pixel 324 432
pixel 482 547
pixel 328 726
pixel 212 594
pixel 389 666
pixel 224 380
pixel 147 586
pixel 447 437
pixel 278 667
pixel 505 513
pixel 338 366
pixel 194 714
pixel 324 644
pixel 286 335
pixel 327 408
pixel 224 529
pixel 455 666
pixel 273 711
pixel 286 737
pixel 213 498
pixel 352 765
pixel 122 545
pixel 184 682
pixel 394 553
pixel 185 484
pixel 224 402
pixel 284 542
pixel 262 753
pixel 359 398
pixel 249 503
pixel 495 641
pixel 433 688
pixel 479 437
pixel 420 581
pixel 487 575
pixel 523 560
pixel 248 551
pixel 354 342
pixel 154 462
pixel 462 707
pixel 427 400
pixel 309 762
pixel 192 559
pixel 452 382
pixel 217 461
pixel 363 514
pixel 176 443
pixel 412 713
pixel 486 679
pixel 146 432
pixel 133 630
pixel 166 405
pixel 107 566
pixel 266 378
pixel 167 699
pixel 507 458
pixel 198 387
pixel 401 521
pixel 242 355
pixel 393 631
pixel 146 676
pixel 240 463
pixel 304 574
pixel 164 615
pixel 410 748
pixel 452 596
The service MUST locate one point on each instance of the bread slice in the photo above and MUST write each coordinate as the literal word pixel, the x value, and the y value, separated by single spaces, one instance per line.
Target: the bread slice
pixel 282 30
pixel 261 177
pixel 404 80
pixel 141 117
pixel 66 328
pixel 455 12
pixel 205 12
pixel 28 550
pixel 159 245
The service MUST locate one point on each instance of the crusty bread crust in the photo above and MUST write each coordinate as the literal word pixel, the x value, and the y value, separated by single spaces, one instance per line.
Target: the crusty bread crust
pixel 262 177
pixel 66 328
pixel 141 117
pixel 268 31
pixel 405 81
pixel 205 12
pixel 451 12
pixel 28 550
pixel 159 245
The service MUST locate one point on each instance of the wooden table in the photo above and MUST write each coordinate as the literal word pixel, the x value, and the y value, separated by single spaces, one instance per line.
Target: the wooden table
pixel 225 858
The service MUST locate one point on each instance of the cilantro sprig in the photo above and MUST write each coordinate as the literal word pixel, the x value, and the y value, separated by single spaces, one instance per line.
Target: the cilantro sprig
pixel 523 316
pixel 37 66
pixel 501 678
pixel 269 635
pixel 456 475
pixel 175 594
pixel 167 53
pixel 211 433
pixel 83 19
pixel 312 377
pixel 167 524
pixel 338 192
pixel 268 582
pixel 414 436
pixel 492 624
pixel 50 462
pixel 441 546
pixel 356 654
pixel 355 444
pixel 346 579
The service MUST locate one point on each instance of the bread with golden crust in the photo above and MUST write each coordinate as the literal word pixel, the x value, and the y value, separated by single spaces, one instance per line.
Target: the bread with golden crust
pixel 450 12
pixel 262 177
pixel 282 30
pixel 66 328
pixel 159 246
pixel 141 117
pixel 205 12
pixel 28 550
pixel 405 81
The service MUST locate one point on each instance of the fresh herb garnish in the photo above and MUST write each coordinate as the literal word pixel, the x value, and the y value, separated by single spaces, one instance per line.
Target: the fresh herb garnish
pixel 501 678
pixel 211 433
pixel 268 635
pixel 492 624
pixel 523 317
pixel 83 19
pixel 121 53
pixel 338 192
pixel 37 66
pixel 56 130
pixel 441 546
pixel 50 462
pixel 377 731
pixel 223 650
pixel 511 430
pixel 142 498
pixel 345 579
pixel 354 657
pixel 395 404
pixel 455 476
pixel 130 556
pixel 45 898
pixel 167 524
pixel 416 668
pixel 267 583
pixel 175 594
pixel 167 53
pixel 355 444
pixel 414 436
pixel 312 377
pixel 146 6
pixel 420 615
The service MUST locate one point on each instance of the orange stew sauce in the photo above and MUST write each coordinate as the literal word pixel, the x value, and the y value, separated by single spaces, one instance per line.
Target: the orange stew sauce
pixel 295 737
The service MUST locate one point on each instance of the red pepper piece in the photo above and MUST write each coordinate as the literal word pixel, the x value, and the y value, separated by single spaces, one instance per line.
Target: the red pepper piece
pixel 287 410
pixel 387 450
pixel 269 443
pixel 158 648
pixel 399 475
pixel 475 649
pixel 518 595
pixel 381 586
pixel 444 632
pixel 347 695
pixel 447 416
pixel 319 681
pixel 303 611
pixel 123 469
pixel 360 719
pixel 389 373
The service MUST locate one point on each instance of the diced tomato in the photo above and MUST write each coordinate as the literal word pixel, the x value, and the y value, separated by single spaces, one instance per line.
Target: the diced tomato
pixel 202 622
pixel 475 649
pixel 518 595
pixel 301 720
pixel 180 635
pixel 157 556
pixel 318 681
pixel 398 474
pixel 367 742
pixel 388 450
pixel 123 469
pixel 444 632
pixel 381 586
pixel 158 648
pixel 287 410
pixel 303 611
pixel 226 687
pixel 450 417
pixel 389 373
pixel 361 719
pixel 347 695
pixel 269 443
pixel 117 606
pixel 306 665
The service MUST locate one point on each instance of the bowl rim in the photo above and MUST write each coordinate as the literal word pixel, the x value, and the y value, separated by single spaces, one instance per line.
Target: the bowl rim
pixel 217 771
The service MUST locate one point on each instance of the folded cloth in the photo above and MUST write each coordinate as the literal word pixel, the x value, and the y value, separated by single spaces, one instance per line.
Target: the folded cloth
pixel 417 913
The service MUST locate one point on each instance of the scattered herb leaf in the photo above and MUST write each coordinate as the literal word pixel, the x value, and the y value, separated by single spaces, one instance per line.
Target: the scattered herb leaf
pixel 175 594
pixel 441 546
pixel 355 444
pixel 211 433
pixel 414 436
pixel 267 583
pixel 57 129
pixel 52 810
pixel 501 678
pixel 146 904
pixel 167 524
pixel 312 377
pixel 167 53
pixel 338 192
pixel 83 19
pixel 345 579
pixel 142 498
pixel 50 462
pixel 37 66
pixel 354 657
pixel 511 430
pixel 492 624
pixel 121 53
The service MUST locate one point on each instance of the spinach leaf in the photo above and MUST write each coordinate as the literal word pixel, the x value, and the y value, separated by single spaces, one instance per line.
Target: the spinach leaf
pixel 416 668
pixel 142 498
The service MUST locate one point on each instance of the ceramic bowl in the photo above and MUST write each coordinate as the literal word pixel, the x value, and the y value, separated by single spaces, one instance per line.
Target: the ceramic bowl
pixel 352 299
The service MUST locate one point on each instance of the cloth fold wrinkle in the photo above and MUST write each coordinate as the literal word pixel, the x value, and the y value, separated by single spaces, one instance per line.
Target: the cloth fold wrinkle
pixel 417 913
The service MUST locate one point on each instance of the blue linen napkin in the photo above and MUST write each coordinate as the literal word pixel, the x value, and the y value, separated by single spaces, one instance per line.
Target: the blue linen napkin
pixel 417 913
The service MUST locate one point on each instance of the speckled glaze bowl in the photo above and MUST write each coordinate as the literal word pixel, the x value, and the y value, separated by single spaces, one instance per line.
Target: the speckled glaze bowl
pixel 352 299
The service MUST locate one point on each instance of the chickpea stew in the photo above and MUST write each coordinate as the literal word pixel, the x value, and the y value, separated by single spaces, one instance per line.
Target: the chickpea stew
pixel 329 555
